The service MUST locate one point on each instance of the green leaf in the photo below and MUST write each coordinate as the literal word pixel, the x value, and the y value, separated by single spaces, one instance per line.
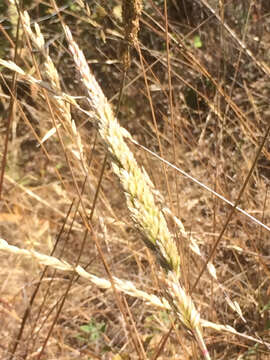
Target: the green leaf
pixel 266 307
pixel 92 331
pixel 197 42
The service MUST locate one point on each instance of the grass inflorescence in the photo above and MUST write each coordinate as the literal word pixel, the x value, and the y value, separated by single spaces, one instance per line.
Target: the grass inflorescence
pixel 99 231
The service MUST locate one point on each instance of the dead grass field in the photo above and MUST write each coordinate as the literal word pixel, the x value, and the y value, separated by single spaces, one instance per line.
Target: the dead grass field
pixel 82 274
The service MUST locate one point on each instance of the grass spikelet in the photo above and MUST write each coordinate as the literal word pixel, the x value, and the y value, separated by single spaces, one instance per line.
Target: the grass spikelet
pixel 181 303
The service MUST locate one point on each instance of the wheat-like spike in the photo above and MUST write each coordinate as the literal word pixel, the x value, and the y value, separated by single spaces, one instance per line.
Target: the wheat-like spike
pixel 63 107
pixel 189 238
pixel 139 194
pixel 127 287
pixel 39 43
pixel 136 184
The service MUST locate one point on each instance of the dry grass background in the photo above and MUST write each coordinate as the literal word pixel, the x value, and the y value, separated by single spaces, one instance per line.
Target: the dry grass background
pixel 77 280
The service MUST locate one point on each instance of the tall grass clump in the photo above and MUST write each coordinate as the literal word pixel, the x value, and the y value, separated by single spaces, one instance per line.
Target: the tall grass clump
pixel 134 219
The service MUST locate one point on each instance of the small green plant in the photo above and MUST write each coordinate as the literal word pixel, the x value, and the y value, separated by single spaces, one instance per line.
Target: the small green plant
pixel 197 42
pixel 92 331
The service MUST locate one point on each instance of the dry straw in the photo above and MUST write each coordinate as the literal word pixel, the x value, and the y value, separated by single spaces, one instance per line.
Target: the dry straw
pixel 131 14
